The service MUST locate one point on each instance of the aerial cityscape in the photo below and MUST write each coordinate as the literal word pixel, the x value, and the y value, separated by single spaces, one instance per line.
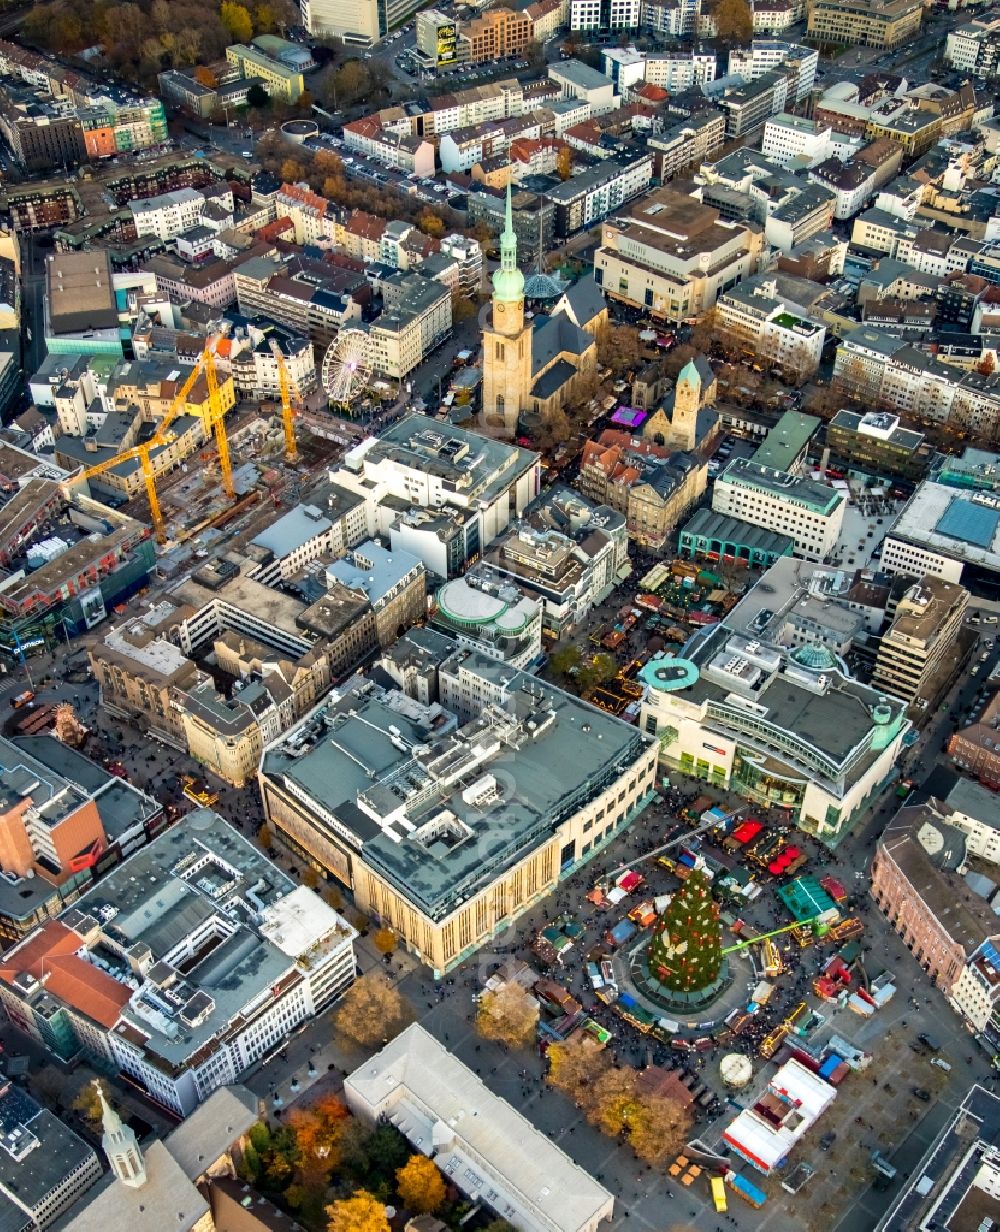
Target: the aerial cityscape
pixel 499 597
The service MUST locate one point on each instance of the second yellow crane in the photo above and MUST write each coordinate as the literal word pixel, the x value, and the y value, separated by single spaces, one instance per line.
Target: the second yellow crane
pixel 286 386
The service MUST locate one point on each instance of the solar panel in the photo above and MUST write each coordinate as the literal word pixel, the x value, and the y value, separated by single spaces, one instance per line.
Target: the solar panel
pixel 969 522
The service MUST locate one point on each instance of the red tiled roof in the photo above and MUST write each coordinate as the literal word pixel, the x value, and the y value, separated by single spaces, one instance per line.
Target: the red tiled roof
pixel 50 956
pixel 271 230
pixel 51 939
pixel 367 126
pixel 92 992
pixel 304 196
pixel 368 226
pixel 655 94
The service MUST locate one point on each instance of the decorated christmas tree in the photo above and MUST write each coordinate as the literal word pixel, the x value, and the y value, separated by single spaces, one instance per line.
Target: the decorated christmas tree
pixel 685 953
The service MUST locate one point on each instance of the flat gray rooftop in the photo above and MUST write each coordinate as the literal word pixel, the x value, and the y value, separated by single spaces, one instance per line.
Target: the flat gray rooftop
pixel 802 491
pixel 836 719
pixel 477 464
pixel 198 869
pixel 293 530
pixel 39 1152
pixel 361 771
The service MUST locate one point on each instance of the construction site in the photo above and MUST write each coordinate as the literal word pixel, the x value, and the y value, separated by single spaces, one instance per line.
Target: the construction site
pixel 253 459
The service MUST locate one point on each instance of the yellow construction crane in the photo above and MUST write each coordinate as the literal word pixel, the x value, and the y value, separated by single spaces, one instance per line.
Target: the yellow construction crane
pixel 162 436
pixel 286 385
pixel 217 408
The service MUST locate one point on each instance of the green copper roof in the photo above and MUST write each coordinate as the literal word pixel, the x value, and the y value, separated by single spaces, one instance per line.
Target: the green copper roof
pixel 689 374
pixel 508 281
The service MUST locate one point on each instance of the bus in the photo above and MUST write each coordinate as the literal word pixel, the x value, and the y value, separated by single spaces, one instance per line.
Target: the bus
pixel 719 1193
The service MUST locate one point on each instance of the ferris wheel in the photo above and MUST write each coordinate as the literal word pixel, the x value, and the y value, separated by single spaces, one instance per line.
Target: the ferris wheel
pixel 347 367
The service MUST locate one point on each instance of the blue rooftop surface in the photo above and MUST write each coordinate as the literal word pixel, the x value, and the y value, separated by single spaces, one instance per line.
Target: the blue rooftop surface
pixel 372 569
pixel 970 522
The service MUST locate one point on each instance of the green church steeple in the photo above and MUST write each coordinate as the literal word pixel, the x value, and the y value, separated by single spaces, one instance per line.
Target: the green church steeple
pixel 508 281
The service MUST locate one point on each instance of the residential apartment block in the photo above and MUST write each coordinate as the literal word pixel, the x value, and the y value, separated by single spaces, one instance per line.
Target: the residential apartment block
pixel 416 318
pixel 756 318
pixel 593 194
pixel 885 372
pixel 974 47
pixel 687 144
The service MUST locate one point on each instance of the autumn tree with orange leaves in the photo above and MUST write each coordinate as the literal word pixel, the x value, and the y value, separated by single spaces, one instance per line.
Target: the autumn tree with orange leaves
pixel 317 1129
pixel 421 1186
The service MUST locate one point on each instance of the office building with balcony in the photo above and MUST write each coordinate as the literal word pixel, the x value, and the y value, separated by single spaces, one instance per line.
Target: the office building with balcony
pixel 873 441
pixel 568 552
pixel 917 658
pixel 974 48
pixel 885 24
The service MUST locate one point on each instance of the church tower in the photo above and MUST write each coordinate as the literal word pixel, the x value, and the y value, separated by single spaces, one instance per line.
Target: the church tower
pixel 120 1146
pixel 506 339
pixel 687 404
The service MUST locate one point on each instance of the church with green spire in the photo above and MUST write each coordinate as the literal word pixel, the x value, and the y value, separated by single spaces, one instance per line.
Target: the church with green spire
pixel 535 366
